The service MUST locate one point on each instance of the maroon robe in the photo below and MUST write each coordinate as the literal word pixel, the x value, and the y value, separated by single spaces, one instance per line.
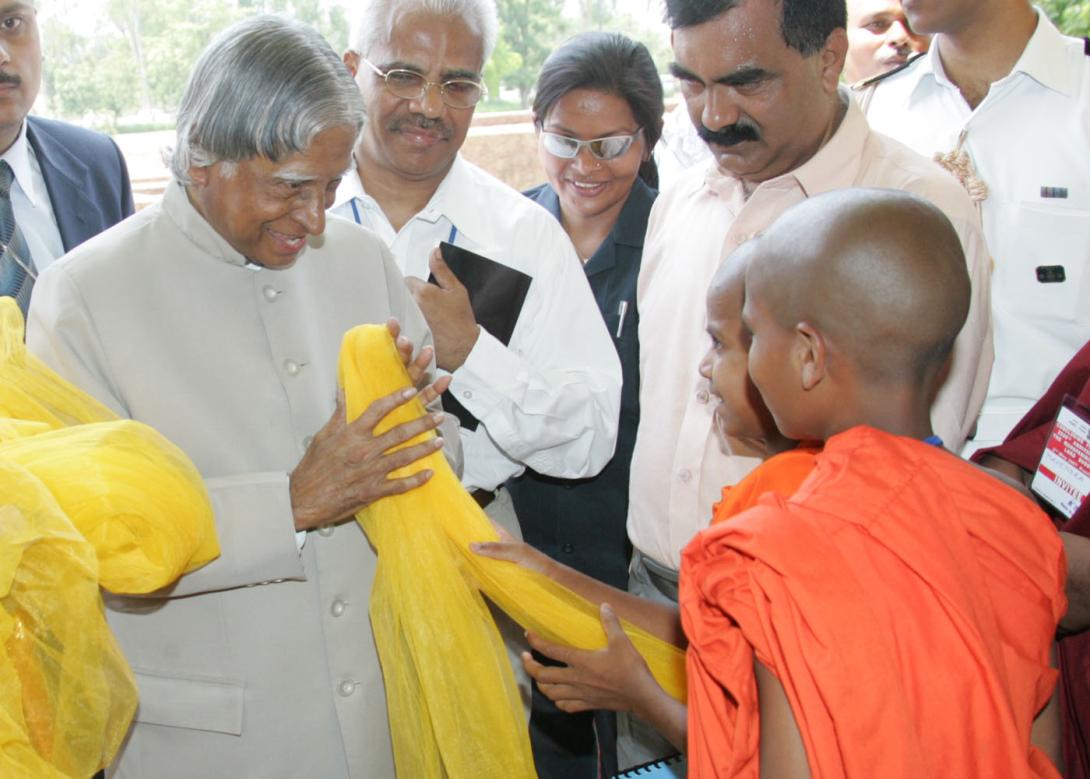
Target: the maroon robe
pixel 1024 446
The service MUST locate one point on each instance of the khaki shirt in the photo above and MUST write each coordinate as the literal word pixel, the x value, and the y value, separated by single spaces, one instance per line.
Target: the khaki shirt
pixel 677 468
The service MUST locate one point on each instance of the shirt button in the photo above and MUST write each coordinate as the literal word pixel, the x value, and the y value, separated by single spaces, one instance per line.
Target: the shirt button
pixel 308 441
pixel 326 531
pixel 270 293
pixel 685 476
pixel 291 367
pixel 346 688
pixel 702 396
pixel 567 548
pixel 467 394
pixel 337 608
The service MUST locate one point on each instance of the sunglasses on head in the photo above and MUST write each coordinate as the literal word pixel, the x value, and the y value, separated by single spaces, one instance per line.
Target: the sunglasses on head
pixel 601 148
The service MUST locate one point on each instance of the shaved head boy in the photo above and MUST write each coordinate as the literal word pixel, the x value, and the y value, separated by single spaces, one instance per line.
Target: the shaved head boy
pixel 871 300
pixel 893 617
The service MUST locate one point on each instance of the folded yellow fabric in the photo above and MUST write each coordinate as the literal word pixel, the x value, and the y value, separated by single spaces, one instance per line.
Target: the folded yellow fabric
pixel 454 708
pixel 31 392
pixel 66 693
pixel 132 494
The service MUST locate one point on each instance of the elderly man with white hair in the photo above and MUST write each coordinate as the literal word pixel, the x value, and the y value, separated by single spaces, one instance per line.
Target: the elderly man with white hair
pixel 216 316
pixel 549 397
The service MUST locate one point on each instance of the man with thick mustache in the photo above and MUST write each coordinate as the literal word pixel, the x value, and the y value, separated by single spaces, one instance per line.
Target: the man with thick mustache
pixel 761 82
pixel 549 398
pixel 59 184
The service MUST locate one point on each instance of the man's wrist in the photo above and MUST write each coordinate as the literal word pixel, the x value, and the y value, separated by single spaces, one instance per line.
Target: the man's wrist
pixel 463 352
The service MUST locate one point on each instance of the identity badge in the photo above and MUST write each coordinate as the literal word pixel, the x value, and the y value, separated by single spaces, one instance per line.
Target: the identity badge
pixel 1063 478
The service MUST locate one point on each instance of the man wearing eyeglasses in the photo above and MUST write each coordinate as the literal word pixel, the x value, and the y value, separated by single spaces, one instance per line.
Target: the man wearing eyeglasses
pixel 549 398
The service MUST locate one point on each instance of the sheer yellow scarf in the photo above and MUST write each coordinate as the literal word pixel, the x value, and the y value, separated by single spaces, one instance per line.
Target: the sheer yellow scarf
pixel 86 499
pixel 454 709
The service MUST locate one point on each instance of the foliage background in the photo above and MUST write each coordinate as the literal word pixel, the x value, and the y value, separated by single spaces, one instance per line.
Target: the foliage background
pixel 121 65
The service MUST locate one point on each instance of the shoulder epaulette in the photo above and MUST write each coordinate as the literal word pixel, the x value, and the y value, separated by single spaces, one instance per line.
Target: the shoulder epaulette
pixel 1086 46
pixel 863 84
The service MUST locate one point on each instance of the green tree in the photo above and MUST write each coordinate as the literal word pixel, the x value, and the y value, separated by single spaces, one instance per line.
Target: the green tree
pixel 1071 16
pixel 531 28
pixel 597 14
pixel 88 76
pixel 499 67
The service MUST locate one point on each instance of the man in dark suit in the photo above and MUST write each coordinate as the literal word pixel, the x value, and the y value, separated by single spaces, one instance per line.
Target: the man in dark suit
pixel 85 176
pixel 59 184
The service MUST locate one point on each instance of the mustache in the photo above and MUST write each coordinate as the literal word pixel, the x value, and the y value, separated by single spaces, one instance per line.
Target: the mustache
pixel 730 135
pixel 10 78
pixel 423 123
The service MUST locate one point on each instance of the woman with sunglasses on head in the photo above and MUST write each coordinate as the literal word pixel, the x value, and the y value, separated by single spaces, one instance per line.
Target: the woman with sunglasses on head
pixel 598 111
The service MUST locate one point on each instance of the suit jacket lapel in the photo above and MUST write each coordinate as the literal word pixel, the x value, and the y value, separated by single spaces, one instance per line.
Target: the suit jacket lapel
pixel 66 179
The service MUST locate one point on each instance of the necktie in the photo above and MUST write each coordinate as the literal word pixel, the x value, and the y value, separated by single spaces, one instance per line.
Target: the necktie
pixel 17 272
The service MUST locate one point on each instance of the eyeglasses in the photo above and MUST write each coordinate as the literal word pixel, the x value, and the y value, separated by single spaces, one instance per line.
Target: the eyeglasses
pixel 410 85
pixel 601 148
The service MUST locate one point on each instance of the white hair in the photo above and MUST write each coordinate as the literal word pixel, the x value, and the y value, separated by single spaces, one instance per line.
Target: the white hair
pixel 375 23
pixel 264 87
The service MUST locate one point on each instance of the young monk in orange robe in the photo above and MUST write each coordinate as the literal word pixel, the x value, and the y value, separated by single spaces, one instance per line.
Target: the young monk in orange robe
pixel 617 678
pixel 893 617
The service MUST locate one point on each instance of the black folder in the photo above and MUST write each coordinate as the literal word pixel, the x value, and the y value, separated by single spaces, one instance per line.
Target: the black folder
pixel 496 293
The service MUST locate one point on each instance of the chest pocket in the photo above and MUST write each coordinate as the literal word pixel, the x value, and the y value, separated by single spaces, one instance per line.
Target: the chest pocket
pixel 1042 270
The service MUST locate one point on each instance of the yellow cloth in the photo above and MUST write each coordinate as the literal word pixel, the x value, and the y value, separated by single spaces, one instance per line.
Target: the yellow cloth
pixel 454 709
pixel 134 495
pixel 29 391
pixel 137 518
pixel 66 693
pixel 131 493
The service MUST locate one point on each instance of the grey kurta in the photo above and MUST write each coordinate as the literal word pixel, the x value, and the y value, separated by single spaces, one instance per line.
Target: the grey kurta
pixel 268 668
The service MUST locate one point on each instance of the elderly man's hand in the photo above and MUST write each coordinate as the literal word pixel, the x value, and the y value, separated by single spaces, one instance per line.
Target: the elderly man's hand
pixel 347 466
pixel 448 312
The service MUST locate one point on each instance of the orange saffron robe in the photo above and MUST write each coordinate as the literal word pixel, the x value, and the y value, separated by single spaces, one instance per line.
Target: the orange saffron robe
pixel 782 474
pixel 906 601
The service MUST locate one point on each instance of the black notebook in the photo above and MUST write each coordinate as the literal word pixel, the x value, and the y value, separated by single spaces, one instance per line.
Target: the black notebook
pixel 673 767
pixel 496 293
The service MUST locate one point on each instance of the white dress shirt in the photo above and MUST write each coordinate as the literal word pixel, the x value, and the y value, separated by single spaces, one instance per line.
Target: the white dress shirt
pixel 1029 143
pixel 550 399
pixel 31 204
pixel 678 471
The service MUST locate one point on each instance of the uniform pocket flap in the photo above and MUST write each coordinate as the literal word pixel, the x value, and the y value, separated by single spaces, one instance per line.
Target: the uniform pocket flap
pixel 188 702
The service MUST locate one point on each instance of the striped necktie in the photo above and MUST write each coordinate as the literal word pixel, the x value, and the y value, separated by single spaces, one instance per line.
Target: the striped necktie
pixel 17 272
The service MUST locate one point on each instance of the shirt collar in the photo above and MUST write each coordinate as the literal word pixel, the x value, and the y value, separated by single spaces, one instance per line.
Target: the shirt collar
pixel 350 187
pixel 1044 60
pixel 836 164
pixel 449 199
pixel 546 197
pixel 196 228
pixel 18 157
